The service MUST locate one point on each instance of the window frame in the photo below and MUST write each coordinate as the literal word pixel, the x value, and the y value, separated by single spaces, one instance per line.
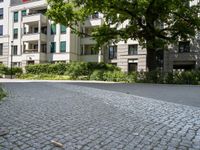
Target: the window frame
pixel 53 45
pixel 63 46
pixel 1 49
pixel 16 16
pixel 113 55
pixel 184 47
pixel 133 49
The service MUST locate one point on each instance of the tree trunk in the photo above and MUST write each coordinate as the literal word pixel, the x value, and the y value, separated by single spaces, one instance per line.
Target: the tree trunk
pixel 151 55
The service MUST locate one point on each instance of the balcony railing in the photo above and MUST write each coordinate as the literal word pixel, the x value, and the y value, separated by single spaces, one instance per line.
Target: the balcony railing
pixel 31 51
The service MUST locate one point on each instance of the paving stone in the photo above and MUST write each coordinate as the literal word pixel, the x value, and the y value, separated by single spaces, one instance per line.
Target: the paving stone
pixel 87 118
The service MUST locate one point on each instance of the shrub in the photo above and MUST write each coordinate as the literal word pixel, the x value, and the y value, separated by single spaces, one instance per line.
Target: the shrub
pixel 43 77
pixel 97 75
pixel 58 69
pixel 169 78
pixel 76 69
pixel 2 93
pixel 116 76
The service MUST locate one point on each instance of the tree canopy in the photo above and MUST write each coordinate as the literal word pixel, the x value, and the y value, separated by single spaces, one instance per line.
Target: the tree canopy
pixel 153 23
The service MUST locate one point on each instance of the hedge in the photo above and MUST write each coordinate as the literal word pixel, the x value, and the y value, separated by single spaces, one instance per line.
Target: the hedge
pixel 7 71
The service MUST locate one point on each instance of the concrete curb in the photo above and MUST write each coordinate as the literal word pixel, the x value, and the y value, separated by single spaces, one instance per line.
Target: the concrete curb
pixel 58 81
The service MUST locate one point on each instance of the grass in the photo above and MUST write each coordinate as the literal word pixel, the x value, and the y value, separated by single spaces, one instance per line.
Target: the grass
pixel 2 93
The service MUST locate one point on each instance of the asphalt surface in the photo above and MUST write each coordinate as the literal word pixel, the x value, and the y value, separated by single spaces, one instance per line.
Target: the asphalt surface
pixel 85 118
pixel 180 94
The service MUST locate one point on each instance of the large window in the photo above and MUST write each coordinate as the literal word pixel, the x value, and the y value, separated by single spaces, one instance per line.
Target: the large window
pixel 15 50
pixel 112 52
pixel 53 47
pixel 15 33
pixel 62 29
pixel 1 30
pixel 15 16
pixel 63 46
pixel 1 13
pixel 1 48
pixel 53 29
pixel 184 47
pixel 133 49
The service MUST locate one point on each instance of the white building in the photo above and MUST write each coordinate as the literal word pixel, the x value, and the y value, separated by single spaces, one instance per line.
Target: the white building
pixel 35 39
pixel 4 35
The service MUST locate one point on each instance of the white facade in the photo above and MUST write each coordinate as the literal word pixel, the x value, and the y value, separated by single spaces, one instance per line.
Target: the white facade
pixel 33 38
pixel 4 37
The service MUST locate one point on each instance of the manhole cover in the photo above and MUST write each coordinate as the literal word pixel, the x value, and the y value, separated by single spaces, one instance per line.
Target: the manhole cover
pixel 3 131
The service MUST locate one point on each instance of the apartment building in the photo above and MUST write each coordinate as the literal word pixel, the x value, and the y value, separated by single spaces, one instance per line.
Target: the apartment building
pixel 34 39
pixel 4 35
pixel 185 55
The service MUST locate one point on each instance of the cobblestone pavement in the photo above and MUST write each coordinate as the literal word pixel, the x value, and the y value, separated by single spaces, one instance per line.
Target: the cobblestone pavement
pixel 87 118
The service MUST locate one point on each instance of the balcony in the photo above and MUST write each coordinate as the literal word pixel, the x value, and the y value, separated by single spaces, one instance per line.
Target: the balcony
pixel 87 41
pixel 34 17
pixel 34 37
pixel 91 58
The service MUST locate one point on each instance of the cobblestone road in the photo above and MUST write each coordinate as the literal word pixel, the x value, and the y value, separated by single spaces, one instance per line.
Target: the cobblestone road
pixel 87 118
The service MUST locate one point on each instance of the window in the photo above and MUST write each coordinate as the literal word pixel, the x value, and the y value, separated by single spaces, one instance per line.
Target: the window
pixel 1 30
pixel 15 50
pixel 133 49
pixel 95 15
pixel 112 52
pixel 1 13
pixel 62 29
pixel 15 16
pixel 1 48
pixel 63 46
pixel 15 33
pixel 184 47
pixel 53 29
pixel 23 12
pixel 53 47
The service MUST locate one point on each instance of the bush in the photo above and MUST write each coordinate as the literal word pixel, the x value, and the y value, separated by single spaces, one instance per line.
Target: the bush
pixel 76 69
pixel 2 93
pixel 187 77
pixel 116 76
pixel 57 69
pixel 97 75
pixel 43 77
pixel 7 71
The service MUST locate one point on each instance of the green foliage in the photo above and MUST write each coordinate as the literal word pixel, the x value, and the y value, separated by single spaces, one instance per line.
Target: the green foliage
pixel 2 93
pixel 58 69
pixel 186 77
pixel 43 77
pixel 97 75
pixel 7 71
pixel 146 20
pixel 116 76
pixel 76 69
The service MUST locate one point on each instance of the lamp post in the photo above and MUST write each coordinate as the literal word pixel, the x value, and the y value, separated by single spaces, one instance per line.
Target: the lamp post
pixel 11 60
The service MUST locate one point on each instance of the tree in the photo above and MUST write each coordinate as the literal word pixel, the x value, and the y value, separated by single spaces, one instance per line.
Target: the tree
pixel 154 23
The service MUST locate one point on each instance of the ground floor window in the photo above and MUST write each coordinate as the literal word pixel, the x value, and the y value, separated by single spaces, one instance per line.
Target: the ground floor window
pixel 132 67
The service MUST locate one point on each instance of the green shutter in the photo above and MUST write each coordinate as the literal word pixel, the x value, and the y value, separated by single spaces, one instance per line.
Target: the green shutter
pixel 15 33
pixel 15 16
pixel 53 47
pixel 63 46
pixel 53 29
pixel 23 12
pixel 63 29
